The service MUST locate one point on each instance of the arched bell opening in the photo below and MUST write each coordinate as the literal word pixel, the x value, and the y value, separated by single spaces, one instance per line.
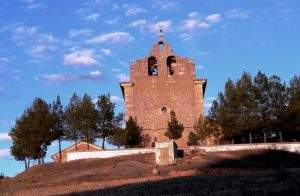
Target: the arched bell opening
pixel 152 66
pixel 171 61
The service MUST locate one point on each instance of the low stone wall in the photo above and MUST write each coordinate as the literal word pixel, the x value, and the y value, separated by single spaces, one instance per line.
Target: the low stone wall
pixel 106 153
pixel 291 147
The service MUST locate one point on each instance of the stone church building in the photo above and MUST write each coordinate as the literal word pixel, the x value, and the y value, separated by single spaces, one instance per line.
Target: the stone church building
pixel 160 83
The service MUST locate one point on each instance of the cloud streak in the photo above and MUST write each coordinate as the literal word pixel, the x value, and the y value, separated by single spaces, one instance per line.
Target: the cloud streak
pixel 80 58
pixel 67 77
pixel 4 137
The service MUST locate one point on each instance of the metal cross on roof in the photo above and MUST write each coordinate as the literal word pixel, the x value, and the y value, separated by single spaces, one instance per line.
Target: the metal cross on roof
pixel 160 26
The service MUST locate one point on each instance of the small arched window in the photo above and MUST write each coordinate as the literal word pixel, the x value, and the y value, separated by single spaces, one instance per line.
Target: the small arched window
pixel 161 46
pixel 164 110
pixel 171 61
pixel 152 66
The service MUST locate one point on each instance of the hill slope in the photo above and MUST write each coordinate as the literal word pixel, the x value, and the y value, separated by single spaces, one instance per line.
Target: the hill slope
pixel 255 172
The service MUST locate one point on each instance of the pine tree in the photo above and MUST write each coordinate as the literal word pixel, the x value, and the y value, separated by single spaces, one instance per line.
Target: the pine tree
pixel 59 122
pixel 72 119
pixel 175 128
pixel 32 133
pixel 87 120
pixel 105 117
pixel 133 131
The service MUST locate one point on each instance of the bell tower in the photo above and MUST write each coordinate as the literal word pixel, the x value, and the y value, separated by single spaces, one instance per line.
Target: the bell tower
pixel 160 83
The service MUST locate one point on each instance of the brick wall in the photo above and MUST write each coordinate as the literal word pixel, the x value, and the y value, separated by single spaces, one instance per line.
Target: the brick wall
pixel 145 95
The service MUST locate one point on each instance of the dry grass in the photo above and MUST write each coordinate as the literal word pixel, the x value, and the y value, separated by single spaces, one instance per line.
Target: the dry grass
pixel 257 172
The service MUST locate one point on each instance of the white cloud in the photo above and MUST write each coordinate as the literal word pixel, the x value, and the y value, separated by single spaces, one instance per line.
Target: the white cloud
pixel 237 14
pixel 165 5
pixel 113 38
pixel 93 75
pixel 132 10
pixel 66 77
pixel 92 17
pixel 4 136
pixel 114 99
pixel 193 15
pixel 208 102
pixel 33 5
pixel 213 18
pixel 36 6
pixel 169 6
pixel 106 51
pixel 166 26
pixel 123 77
pixel 56 78
pixel 80 58
pixel 37 45
pixel 4 152
pixel 138 23
pixel 194 24
pixel 3 61
pixel 79 32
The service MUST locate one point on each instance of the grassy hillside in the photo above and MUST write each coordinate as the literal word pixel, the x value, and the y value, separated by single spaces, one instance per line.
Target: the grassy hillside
pixel 235 173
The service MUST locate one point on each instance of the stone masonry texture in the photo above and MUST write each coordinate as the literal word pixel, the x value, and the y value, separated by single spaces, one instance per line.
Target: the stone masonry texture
pixel 173 87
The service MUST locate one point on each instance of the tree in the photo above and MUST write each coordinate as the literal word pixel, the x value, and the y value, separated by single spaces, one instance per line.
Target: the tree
pixel 118 135
pixel 32 133
pixel 118 138
pixel 107 122
pixel 175 128
pixel 59 122
pixel 192 139
pixel 292 117
pixel 87 120
pixel 72 119
pixel 133 131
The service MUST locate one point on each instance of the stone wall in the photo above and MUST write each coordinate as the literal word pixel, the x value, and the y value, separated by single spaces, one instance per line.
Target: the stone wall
pixel 291 147
pixel 145 95
pixel 106 153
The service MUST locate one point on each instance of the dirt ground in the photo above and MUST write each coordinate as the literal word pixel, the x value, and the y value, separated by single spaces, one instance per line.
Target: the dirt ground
pixel 134 174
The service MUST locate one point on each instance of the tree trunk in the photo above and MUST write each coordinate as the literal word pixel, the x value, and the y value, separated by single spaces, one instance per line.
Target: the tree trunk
pixel 250 138
pixel 280 136
pixel 265 137
pixel 88 145
pixel 25 163
pixel 103 141
pixel 28 163
pixel 76 145
pixel 59 148
pixel 232 141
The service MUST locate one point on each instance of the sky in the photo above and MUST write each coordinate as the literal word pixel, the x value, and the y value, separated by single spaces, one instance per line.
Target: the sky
pixel 51 47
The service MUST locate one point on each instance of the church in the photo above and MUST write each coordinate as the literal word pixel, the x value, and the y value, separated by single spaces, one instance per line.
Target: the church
pixel 160 83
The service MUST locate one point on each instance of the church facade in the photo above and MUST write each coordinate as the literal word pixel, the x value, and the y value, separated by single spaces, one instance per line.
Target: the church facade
pixel 160 83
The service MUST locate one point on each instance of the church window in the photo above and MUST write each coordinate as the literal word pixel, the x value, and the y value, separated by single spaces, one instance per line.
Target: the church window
pixel 161 46
pixel 170 64
pixel 164 110
pixel 152 66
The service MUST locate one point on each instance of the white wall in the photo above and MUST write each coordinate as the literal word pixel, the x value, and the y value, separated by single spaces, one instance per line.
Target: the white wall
pixel 106 153
pixel 291 147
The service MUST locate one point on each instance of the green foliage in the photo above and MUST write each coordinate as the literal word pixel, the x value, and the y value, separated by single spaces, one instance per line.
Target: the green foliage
pixel 108 124
pixel 133 137
pixel 72 119
pixel 256 105
pixel 192 139
pixel 175 128
pixel 32 132
pixel 59 122
pixel 87 116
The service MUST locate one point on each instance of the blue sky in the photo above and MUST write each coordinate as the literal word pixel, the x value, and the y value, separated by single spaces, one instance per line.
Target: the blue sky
pixel 60 47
